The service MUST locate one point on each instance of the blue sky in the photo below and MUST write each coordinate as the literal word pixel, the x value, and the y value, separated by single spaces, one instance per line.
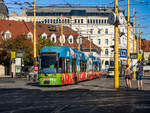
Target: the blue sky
pixel 142 8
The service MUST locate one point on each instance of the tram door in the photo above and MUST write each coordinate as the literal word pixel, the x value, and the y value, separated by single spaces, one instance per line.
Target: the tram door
pixel 74 66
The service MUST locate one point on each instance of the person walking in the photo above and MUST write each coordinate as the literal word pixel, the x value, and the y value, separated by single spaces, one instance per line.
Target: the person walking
pixel 139 75
pixel 127 76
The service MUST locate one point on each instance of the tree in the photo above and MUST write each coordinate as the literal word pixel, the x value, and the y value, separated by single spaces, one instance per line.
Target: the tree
pixel 21 43
pixel 43 42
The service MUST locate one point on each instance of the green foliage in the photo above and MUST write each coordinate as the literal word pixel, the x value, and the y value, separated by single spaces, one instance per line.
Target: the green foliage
pixel 21 43
pixel 43 42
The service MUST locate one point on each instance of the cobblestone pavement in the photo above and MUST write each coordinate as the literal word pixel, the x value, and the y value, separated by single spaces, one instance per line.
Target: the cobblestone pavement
pixel 95 96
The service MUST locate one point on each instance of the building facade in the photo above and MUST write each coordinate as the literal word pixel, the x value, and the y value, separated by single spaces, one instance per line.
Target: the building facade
pixel 90 22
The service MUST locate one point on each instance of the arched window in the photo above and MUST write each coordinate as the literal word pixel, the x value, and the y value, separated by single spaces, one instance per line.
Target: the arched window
pixel 53 38
pixel 70 39
pixel 7 35
pixel 44 36
pixel 29 35
pixel 62 38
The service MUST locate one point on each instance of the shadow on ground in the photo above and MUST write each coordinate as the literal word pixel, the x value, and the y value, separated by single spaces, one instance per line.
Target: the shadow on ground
pixel 74 101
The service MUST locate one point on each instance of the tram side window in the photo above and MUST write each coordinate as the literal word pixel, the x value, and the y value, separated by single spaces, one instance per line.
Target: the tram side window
pixel 81 66
pixel 99 67
pixel 67 66
pixel 84 66
pixel 74 66
pixel 61 65
pixel 95 67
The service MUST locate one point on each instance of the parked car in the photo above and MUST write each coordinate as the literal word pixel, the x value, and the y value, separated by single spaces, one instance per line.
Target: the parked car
pixel 111 72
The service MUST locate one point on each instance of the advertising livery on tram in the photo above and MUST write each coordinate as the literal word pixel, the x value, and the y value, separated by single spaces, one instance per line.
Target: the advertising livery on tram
pixel 61 65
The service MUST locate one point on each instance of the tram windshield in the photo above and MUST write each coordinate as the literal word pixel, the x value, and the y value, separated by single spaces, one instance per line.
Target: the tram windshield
pixel 48 60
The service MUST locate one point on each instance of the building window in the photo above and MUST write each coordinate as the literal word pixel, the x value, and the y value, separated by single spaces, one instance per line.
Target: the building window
pixel 62 39
pixel 44 36
pixel 99 41
pixel 106 41
pixel 119 41
pixel 78 21
pixel 106 62
pixel 70 39
pixel 82 21
pixel 29 36
pixel 93 21
pixel 96 21
pixel 99 21
pixel 92 40
pixel 75 21
pixel 105 22
pixel 99 31
pixel 91 31
pixel 106 51
pixel 88 21
pixel 53 38
pixel 7 35
pixel 106 31
pixel 102 21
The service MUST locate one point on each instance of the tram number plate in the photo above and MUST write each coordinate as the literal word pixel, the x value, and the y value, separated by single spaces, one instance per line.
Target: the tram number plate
pixel 46 82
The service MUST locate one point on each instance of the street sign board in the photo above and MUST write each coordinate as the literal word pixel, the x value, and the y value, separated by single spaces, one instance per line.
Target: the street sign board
pixel 139 56
pixel 123 53
pixel 133 55
pixel 13 54
pixel 19 54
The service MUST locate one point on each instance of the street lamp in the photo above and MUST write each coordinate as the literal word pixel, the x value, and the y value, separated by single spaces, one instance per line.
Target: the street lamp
pixel 128 34
pixel 34 46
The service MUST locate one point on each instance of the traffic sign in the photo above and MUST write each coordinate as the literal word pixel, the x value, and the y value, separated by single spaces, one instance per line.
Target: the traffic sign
pixel 133 55
pixel 13 54
pixel 123 53
pixel 139 56
pixel 36 68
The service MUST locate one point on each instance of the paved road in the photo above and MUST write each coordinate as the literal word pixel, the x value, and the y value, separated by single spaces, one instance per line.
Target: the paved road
pixel 96 96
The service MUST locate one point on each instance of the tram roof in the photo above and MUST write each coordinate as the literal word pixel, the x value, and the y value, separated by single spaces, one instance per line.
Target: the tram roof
pixel 63 51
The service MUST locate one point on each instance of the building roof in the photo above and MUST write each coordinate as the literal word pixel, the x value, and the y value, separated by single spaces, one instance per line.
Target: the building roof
pixel 70 9
pixel 146 45
pixel 3 8
pixel 17 28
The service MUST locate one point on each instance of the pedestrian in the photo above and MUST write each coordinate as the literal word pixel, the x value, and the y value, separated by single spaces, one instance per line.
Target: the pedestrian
pixel 127 76
pixel 139 75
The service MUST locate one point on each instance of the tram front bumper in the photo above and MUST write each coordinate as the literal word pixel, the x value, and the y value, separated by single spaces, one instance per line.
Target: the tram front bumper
pixel 50 81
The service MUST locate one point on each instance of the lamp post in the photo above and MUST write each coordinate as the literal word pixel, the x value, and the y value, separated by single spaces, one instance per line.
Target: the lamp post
pixel 137 43
pixel 134 73
pixel 133 31
pixel 140 41
pixel 128 40
pixel 79 38
pixel 61 31
pixel 35 53
pixel 116 80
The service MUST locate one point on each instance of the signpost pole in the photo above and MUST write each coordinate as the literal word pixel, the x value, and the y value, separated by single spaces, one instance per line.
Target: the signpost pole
pixel 116 80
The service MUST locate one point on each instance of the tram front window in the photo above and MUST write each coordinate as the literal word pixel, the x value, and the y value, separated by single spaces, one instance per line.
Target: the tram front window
pixel 48 61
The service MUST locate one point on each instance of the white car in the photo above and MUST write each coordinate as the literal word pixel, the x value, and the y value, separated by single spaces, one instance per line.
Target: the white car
pixel 111 71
